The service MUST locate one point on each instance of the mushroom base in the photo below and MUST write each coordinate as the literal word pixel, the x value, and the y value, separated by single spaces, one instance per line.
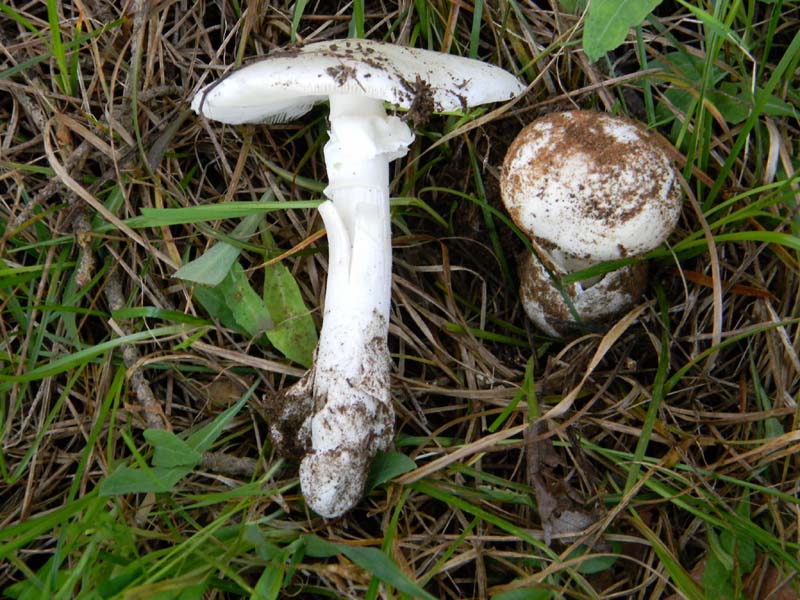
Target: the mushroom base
pixel 337 423
pixel 596 306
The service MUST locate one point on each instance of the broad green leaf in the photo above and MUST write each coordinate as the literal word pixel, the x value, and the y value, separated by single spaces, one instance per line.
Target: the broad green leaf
pixel 170 450
pixel 742 548
pixel 294 333
pixel 211 267
pixel 129 480
pixel 736 101
pixel 608 22
pixel 386 467
pixel 213 301
pixel 716 580
pixel 595 564
pixel 281 315
pixel 270 584
pixel 247 307
pixel 371 560
pixel 295 336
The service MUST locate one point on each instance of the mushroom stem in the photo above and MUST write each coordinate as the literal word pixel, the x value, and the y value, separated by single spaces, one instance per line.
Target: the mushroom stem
pixel 352 411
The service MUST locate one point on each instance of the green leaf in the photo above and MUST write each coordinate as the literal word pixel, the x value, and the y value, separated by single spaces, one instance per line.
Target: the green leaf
pixel 596 564
pixel 236 304
pixel 719 552
pixel 608 22
pixel 371 560
pixel 294 333
pixel 213 301
pixel 201 440
pixel 247 307
pixel 129 480
pixel 736 101
pixel 716 580
pixel 170 450
pixel 526 594
pixel 157 217
pixel 297 14
pixel 573 6
pixel 742 548
pixel 387 466
pixel 211 267
pixel 161 478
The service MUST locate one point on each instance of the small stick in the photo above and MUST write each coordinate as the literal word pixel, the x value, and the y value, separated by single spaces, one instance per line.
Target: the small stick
pixel 153 412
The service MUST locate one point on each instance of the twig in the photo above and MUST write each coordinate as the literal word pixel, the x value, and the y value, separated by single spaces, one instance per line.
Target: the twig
pixel 153 412
pixel 226 464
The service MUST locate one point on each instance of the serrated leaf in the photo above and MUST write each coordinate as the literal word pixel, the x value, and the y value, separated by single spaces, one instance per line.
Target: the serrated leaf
pixel 211 267
pixel 170 450
pixel 608 22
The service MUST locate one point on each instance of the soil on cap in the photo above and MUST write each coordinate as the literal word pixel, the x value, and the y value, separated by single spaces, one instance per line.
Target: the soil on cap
pixel 422 106
pixel 608 202
pixel 341 74
pixel 288 52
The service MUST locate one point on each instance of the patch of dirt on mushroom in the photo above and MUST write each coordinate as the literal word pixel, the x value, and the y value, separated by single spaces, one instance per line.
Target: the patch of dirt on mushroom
pixel 287 413
pixel 342 74
pixel 422 105
pixel 287 52
pixel 596 305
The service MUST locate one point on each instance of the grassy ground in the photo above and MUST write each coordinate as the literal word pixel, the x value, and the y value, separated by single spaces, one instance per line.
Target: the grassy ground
pixel 678 451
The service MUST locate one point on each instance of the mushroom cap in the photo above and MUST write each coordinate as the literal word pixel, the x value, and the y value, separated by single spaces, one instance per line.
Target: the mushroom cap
pixel 287 83
pixel 597 306
pixel 596 186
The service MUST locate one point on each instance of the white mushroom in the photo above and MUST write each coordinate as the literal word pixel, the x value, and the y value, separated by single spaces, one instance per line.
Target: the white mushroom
pixel 587 188
pixel 341 411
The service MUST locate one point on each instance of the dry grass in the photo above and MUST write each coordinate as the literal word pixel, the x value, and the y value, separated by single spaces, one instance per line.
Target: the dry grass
pixel 707 374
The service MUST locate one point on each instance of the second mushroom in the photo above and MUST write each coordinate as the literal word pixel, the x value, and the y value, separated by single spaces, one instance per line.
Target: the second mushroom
pixel 587 188
pixel 340 413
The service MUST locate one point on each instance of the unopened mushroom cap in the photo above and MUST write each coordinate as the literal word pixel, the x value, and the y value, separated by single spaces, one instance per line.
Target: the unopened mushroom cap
pixel 287 83
pixel 595 186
